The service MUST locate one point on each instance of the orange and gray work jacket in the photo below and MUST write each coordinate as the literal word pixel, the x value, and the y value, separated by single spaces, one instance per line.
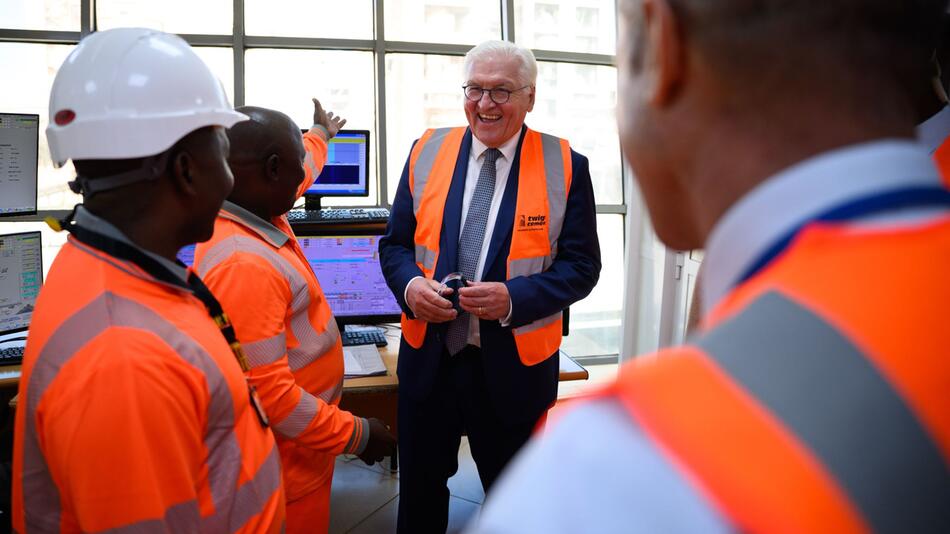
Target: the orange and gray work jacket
pixel 942 159
pixel 819 398
pixel 134 414
pixel 540 204
pixel 260 275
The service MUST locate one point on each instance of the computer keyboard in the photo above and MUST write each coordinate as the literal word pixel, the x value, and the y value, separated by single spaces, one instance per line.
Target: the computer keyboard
pixel 364 337
pixel 11 356
pixel 339 215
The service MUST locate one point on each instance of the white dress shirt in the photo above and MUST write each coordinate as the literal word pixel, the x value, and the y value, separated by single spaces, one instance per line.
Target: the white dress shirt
pixel 502 170
pixel 616 479
pixel 932 132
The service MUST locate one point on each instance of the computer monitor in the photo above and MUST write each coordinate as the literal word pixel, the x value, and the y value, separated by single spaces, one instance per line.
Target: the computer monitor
pixel 187 255
pixel 346 173
pixel 347 267
pixel 19 147
pixel 21 275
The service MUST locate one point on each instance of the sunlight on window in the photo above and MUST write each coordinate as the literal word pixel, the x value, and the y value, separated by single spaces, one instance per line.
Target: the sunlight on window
pixel 458 22
pixel 350 19
pixel 173 16
pixel 570 25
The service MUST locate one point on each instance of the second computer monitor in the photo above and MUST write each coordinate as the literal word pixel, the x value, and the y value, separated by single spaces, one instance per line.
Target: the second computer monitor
pixel 21 275
pixel 346 172
pixel 347 267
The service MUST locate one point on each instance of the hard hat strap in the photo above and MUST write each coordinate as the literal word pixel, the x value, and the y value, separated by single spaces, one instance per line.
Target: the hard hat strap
pixel 151 169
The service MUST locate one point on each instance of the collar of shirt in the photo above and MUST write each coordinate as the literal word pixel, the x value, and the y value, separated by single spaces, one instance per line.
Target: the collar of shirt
pixel 507 148
pixel 94 223
pixel 266 230
pixel 934 131
pixel 805 190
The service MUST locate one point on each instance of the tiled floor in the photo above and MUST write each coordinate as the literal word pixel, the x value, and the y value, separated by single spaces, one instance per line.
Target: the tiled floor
pixel 365 498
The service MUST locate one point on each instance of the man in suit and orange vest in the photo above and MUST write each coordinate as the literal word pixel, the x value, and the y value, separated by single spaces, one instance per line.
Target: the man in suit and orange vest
pixel 512 210
pixel 815 397
pixel 255 266
pixel 134 414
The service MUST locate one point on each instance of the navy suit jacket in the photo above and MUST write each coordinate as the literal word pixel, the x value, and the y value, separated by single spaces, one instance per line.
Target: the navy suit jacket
pixel 518 391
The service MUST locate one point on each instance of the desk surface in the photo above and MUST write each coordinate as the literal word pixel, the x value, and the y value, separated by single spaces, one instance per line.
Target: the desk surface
pixel 569 368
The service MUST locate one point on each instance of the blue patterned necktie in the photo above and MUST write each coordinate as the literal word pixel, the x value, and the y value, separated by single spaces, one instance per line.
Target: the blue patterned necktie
pixel 471 241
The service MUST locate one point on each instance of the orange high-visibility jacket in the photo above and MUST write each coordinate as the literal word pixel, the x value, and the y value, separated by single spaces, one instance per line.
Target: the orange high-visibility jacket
pixel 260 275
pixel 942 159
pixel 819 398
pixel 539 217
pixel 133 413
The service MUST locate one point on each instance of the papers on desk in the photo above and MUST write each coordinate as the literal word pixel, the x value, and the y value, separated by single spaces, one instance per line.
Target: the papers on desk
pixel 362 360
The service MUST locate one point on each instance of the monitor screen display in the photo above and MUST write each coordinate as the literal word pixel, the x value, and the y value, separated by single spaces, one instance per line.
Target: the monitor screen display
pixel 21 275
pixel 347 267
pixel 187 255
pixel 346 172
pixel 19 146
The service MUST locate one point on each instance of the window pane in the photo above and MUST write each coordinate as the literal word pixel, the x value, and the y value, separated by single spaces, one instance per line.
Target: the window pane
pixel 445 21
pixel 567 25
pixel 285 80
pixel 62 15
pixel 221 63
pixel 36 66
pixel 576 102
pixel 595 321
pixel 352 19
pixel 173 16
pixel 422 91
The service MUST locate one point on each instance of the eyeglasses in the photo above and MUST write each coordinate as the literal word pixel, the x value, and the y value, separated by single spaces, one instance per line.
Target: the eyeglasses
pixel 497 95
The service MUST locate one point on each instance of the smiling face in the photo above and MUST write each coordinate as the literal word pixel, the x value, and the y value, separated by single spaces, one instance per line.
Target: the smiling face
pixel 492 123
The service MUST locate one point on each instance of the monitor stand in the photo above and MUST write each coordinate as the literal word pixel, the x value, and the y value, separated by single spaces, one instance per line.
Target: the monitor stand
pixel 311 202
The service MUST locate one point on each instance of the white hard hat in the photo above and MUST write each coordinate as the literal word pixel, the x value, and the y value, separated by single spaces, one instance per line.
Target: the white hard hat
pixel 130 93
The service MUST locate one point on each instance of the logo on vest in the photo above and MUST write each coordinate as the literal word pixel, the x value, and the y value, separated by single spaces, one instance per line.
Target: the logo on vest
pixel 529 223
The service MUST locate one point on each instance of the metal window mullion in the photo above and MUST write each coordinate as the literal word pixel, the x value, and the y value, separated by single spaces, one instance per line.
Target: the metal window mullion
pixel 39 37
pixel 379 56
pixel 237 49
pixel 309 43
pixel 508 20
pixel 87 17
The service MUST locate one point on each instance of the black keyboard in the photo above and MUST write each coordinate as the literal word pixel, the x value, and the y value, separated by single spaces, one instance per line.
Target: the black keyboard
pixel 339 215
pixel 364 337
pixel 11 356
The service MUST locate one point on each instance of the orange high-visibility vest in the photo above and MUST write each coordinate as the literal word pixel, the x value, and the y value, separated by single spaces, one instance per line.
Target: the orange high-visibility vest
pixel 544 181
pixel 942 159
pixel 818 399
pixel 259 273
pixel 134 414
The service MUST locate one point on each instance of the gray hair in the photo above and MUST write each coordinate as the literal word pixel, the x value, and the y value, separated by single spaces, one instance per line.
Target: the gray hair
pixel 529 66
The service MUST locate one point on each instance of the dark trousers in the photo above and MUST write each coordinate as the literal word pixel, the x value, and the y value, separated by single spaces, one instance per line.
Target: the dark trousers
pixel 430 432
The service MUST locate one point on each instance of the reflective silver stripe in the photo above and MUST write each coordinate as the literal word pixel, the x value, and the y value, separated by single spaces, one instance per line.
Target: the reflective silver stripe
pixel 300 418
pixel 265 351
pixel 818 383
pixel 361 429
pixel 182 517
pixel 42 507
pixel 270 232
pixel 425 257
pixel 312 345
pixel 540 323
pixel 312 165
pixel 424 164
pixel 333 393
pixel 556 188
pixel 255 493
pixel 526 266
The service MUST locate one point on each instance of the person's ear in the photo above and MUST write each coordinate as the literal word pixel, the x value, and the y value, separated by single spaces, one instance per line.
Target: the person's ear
pixel 272 167
pixel 531 95
pixel 184 170
pixel 663 63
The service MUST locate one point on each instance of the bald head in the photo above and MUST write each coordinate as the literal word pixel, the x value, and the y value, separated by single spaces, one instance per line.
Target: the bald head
pixel 266 159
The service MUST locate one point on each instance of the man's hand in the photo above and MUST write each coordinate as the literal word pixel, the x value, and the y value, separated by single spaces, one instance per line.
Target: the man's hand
pixel 381 443
pixel 423 298
pixel 486 300
pixel 332 123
